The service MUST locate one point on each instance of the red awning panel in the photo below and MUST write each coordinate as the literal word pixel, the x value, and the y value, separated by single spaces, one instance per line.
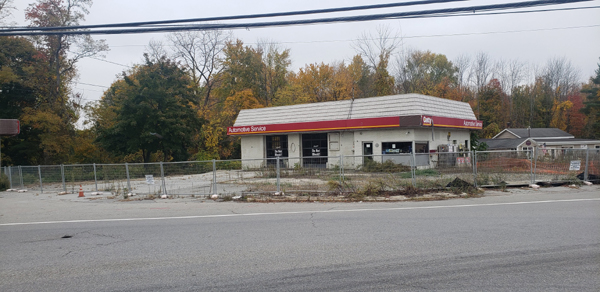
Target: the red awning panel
pixel 9 127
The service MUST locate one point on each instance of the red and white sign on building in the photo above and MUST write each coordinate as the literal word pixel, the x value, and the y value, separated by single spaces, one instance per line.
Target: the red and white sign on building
pixel 357 124
pixel 9 127
pixel 451 123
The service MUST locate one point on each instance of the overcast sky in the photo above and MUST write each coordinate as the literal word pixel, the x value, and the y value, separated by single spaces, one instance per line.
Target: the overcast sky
pixel 534 38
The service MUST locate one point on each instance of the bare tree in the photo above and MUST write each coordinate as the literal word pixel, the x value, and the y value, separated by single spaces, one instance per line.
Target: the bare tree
pixel 156 50
pixel 5 9
pixel 373 47
pixel 462 64
pixel 561 76
pixel 510 74
pixel 517 73
pixel 201 53
pixel 403 76
pixel 481 70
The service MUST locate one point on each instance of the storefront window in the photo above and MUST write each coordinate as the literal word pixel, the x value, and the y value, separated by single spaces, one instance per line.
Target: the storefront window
pixel 277 146
pixel 314 150
pixel 396 147
pixel 421 147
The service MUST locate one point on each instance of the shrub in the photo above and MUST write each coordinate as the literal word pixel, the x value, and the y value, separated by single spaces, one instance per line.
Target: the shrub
pixel 337 187
pixel 387 166
pixel 4 183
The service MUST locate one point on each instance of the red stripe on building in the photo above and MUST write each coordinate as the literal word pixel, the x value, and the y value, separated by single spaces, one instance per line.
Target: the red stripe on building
pixel 387 122
pixel 354 124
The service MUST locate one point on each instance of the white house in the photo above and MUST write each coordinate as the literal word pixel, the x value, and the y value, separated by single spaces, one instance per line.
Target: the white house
pixel 551 141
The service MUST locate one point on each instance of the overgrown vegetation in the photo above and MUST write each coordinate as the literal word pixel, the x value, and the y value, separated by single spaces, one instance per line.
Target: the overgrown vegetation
pixel 370 165
pixel 4 183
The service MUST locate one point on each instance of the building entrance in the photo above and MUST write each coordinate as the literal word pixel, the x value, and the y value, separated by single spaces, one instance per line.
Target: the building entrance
pixel 367 151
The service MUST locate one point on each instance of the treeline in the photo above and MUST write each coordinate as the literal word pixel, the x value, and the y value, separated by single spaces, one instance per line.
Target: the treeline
pixel 177 103
pixel 225 76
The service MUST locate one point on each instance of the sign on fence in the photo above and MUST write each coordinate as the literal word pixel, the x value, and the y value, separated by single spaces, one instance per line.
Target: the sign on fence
pixel 149 179
pixel 575 165
pixel 463 161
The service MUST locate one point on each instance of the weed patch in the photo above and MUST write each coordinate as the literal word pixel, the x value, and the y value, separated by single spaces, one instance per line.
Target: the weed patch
pixel 387 166
pixel 4 183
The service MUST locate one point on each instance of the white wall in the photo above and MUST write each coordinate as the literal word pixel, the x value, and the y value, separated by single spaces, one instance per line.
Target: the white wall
pixel 253 147
pixel 441 137
pixel 351 143
pixel 346 146
pixel 406 135
pixel 294 149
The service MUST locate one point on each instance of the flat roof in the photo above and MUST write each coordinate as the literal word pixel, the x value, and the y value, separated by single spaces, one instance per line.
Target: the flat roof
pixel 373 107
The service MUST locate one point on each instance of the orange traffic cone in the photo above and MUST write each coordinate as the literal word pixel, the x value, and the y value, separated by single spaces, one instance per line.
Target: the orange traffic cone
pixel 81 192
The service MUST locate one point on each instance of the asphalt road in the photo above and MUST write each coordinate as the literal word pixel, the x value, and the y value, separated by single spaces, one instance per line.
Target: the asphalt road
pixel 524 241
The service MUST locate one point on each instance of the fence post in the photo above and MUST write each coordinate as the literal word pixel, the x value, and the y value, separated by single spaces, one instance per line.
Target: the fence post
pixel 214 177
pixel 21 177
pixel 341 169
pixel 40 174
pixel 531 165
pixel 412 168
pixel 587 161
pixel 95 179
pixel 474 167
pixel 62 175
pixel 10 177
pixel 127 172
pixel 535 164
pixel 278 177
pixel 162 178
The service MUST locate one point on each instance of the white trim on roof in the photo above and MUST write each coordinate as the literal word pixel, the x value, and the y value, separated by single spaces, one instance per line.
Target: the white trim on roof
pixel 373 107
pixel 507 130
pixel 555 143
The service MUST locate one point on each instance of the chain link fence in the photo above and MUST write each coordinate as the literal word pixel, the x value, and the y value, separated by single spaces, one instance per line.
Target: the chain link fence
pixel 315 175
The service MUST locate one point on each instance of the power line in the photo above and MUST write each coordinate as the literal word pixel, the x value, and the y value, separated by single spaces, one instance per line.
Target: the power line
pixel 92 85
pixel 109 62
pixel 398 37
pixel 495 32
pixel 507 12
pixel 360 18
pixel 251 16
pixel 454 34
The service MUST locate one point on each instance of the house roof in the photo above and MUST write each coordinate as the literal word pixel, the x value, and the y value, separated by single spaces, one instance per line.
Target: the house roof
pixel 567 141
pixel 498 144
pixel 536 133
pixel 372 107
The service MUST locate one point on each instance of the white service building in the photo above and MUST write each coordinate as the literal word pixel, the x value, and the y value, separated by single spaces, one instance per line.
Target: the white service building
pixel 386 125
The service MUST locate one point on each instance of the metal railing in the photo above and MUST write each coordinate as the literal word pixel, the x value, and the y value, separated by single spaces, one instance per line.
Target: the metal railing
pixel 310 175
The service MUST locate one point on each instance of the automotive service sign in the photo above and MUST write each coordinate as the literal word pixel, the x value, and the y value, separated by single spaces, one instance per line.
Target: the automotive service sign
pixel 451 122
